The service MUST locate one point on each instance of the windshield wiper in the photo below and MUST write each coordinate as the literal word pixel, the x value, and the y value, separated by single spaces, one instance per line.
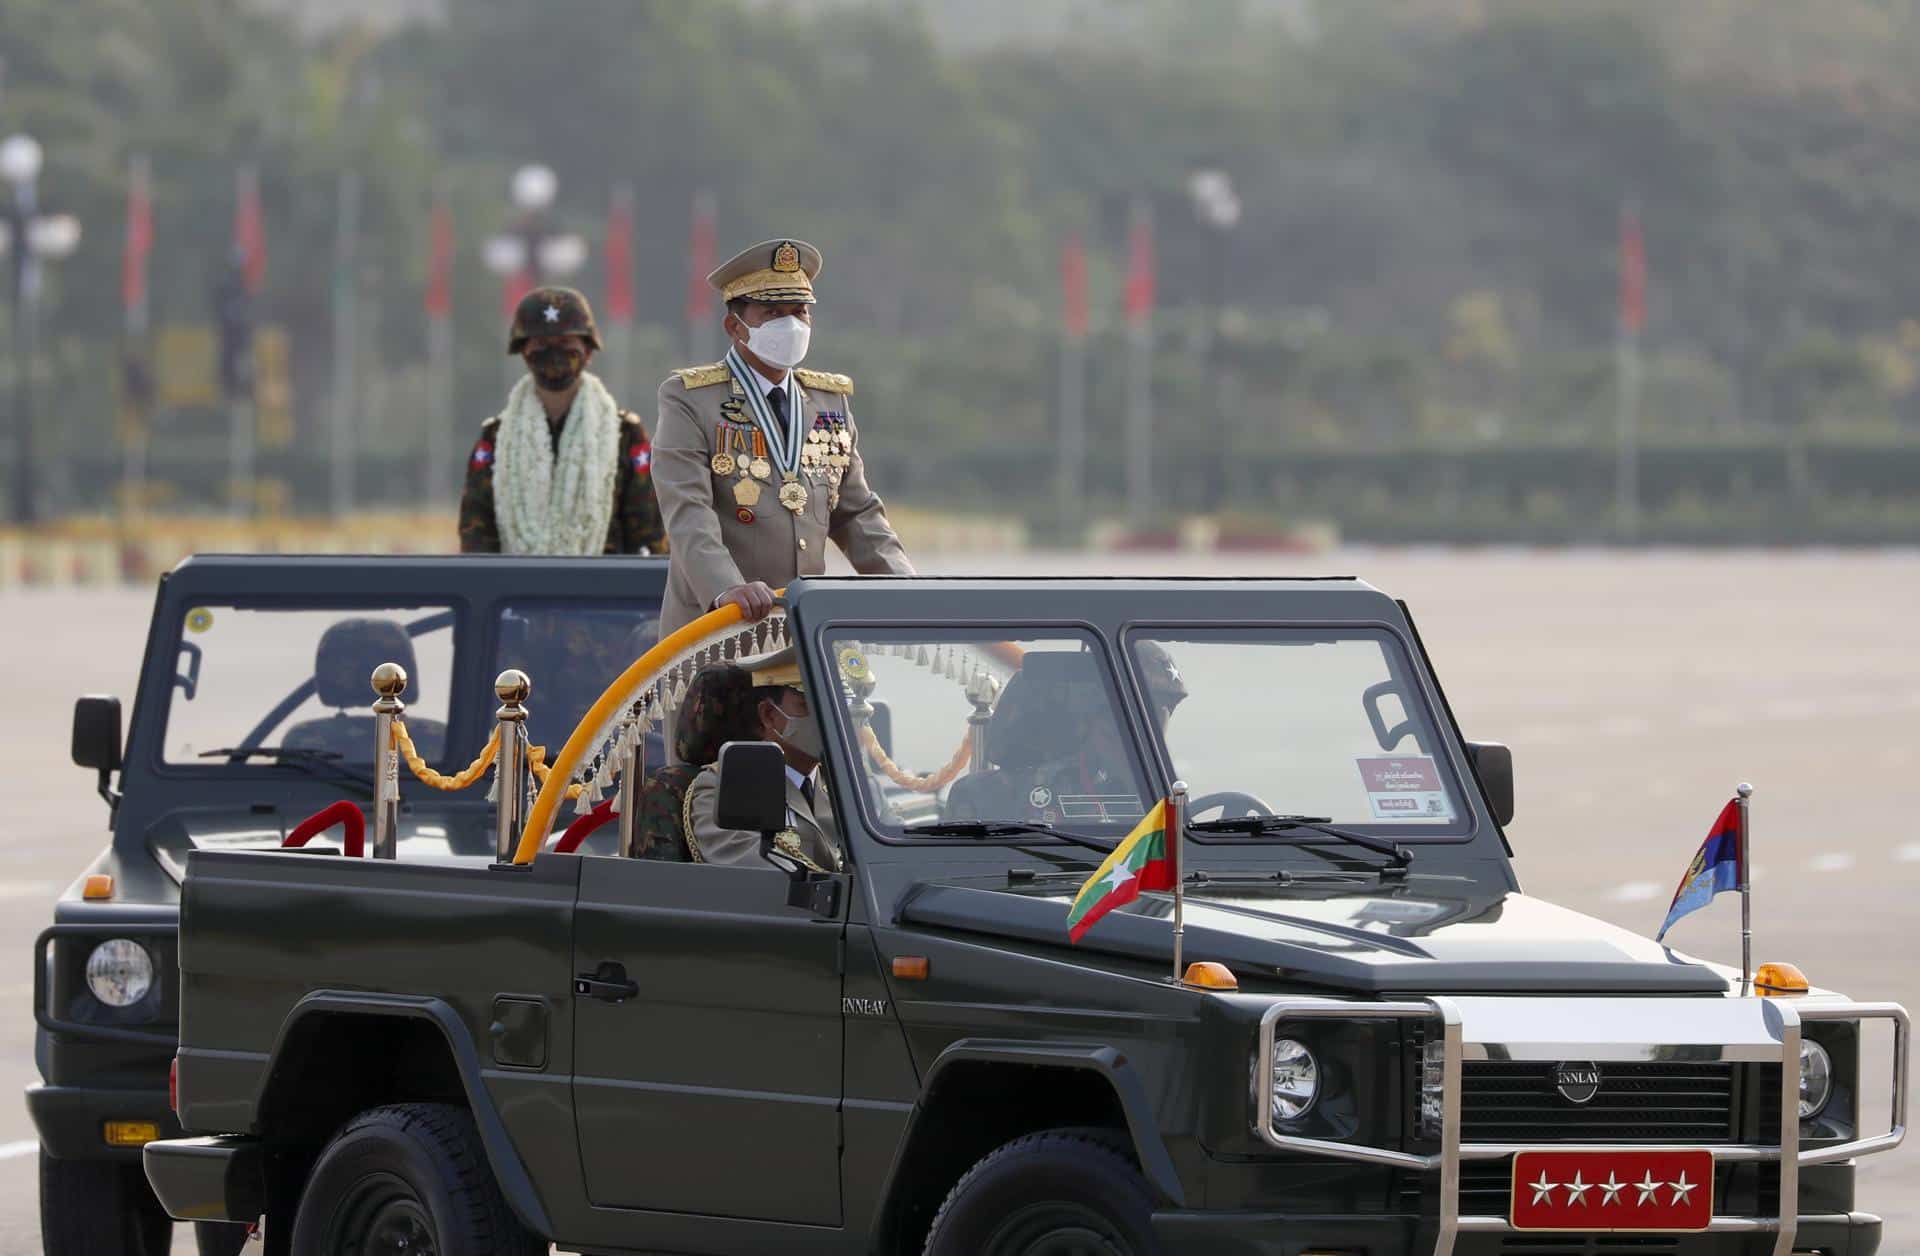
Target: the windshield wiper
pixel 313 762
pixel 1262 826
pixel 1005 828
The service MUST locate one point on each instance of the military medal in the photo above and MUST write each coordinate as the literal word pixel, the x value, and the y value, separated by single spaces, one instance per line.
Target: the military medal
pixel 746 491
pixel 793 494
pixel 722 460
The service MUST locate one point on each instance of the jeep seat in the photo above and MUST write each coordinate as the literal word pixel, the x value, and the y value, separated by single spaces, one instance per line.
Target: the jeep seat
pixel 717 710
pixel 343 664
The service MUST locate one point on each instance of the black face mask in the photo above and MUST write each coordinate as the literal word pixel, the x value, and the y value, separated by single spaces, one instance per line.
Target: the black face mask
pixel 555 369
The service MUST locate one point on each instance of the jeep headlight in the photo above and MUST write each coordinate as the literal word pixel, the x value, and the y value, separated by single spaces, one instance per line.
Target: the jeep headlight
pixel 1294 1079
pixel 1816 1079
pixel 1433 1094
pixel 120 972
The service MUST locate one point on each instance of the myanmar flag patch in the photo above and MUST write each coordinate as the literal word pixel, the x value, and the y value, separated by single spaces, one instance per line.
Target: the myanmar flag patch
pixel 1139 862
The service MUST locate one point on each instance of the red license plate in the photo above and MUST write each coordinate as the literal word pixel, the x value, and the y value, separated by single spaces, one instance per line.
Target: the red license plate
pixel 1621 1191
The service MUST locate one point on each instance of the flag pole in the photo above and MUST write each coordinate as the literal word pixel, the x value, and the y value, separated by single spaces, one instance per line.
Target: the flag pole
pixel 1176 836
pixel 1745 792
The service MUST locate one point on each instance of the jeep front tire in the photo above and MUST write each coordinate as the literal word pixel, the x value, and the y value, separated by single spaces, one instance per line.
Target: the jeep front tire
pixel 1054 1193
pixel 411 1178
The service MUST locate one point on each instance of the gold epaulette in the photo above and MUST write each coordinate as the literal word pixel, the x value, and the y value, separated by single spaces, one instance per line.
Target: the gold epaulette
pixel 824 381
pixel 701 376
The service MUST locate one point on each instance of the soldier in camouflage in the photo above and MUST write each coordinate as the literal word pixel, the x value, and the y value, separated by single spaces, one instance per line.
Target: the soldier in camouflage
pixel 561 470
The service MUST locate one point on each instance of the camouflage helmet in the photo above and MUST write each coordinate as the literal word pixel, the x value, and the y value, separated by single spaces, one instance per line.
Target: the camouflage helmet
pixel 552 312
pixel 1165 688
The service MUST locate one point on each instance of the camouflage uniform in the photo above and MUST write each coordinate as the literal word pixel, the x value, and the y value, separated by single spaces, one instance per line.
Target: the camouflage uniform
pixel 636 526
pixel 718 709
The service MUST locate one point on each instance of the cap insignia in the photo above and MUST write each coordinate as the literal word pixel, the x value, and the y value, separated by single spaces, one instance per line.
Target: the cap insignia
pixel 786 258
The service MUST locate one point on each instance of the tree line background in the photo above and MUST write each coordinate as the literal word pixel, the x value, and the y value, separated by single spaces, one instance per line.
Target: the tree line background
pixel 1411 328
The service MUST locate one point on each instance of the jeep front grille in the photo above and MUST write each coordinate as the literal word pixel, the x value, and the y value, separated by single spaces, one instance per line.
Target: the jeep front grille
pixel 1685 1104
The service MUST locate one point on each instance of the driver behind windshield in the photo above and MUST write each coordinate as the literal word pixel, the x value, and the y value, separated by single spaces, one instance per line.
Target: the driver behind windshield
pixel 781 715
pixel 1056 746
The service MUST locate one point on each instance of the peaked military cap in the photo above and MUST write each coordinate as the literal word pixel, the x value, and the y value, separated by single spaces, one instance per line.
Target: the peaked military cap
pixel 776 667
pixel 551 311
pixel 773 271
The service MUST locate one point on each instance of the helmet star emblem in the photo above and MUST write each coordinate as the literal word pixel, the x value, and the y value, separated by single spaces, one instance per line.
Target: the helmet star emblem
pixel 551 313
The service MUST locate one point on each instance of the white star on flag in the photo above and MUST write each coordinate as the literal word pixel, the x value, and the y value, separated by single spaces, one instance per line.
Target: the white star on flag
pixel 1649 1190
pixel 1612 1186
pixel 1119 876
pixel 552 313
pixel 1577 1191
pixel 1682 1189
pixel 1543 1189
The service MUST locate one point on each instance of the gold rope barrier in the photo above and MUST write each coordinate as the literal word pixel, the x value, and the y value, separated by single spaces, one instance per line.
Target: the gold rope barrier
pixel 537 764
pixel 459 780
pixel 932 782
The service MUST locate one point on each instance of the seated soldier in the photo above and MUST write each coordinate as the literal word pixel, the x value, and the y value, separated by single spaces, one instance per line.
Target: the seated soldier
pixel 718 709
pixel 1056 747
pixel 780 711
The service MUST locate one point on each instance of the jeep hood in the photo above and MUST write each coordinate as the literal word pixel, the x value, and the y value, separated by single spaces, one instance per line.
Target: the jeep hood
pixel 1401 939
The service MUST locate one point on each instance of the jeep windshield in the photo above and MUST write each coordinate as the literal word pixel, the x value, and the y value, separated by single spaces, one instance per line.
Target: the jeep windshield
pixel 1000 725
pixel 1327 724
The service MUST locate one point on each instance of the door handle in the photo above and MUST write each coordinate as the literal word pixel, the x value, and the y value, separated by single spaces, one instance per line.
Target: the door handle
pixel 608 983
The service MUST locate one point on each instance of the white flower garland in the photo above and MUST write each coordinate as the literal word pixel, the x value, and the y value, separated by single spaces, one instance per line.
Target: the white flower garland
pixel 556 505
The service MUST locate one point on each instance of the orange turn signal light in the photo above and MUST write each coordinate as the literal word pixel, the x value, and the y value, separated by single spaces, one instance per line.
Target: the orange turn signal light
pixel 1780 980
pixel 131 1133
pixel 1208 975
pixel 99 885
pixel 911 967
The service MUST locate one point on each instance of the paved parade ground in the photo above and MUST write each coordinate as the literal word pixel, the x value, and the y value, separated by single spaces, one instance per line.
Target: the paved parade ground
pixel 1635 690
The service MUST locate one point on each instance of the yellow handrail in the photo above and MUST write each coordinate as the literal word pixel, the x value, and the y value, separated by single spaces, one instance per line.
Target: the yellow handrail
pixel 617 695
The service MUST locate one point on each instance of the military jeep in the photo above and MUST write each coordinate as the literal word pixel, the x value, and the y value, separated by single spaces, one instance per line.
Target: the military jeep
pixel 1373 1042
pixel 251 713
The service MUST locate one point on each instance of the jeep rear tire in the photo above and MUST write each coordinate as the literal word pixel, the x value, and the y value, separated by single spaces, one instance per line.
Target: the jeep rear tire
pixel 88 1207
pixel 409 1178
pixel 1070 1192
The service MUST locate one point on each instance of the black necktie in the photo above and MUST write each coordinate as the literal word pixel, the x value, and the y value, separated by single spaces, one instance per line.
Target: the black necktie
pixel 777 402
pixel 806 791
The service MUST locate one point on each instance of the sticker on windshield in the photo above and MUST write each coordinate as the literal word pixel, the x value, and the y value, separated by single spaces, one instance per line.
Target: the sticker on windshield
pixel 1405 787
pixel 1099 807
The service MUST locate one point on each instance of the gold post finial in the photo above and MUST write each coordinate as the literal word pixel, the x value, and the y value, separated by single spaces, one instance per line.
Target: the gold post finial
pixel 512 685
pixel 389 680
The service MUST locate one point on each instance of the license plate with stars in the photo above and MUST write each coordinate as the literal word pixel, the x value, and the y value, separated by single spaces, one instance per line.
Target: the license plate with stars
pixel 1627 1191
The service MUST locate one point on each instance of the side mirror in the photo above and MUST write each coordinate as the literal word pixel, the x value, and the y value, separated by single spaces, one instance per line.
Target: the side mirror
pixel 96 739
pixel 753 787
pixel 1493 764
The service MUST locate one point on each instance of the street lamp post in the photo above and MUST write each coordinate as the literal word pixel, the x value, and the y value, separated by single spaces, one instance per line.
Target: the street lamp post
pixel 30 238
pixel 527 248
pixel 1216 206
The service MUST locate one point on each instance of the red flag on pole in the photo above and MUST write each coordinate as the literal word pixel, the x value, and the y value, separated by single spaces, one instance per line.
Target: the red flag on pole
pixel 620 256
pixel 250 228
pixel 133 262
pixel 1073 286
pixel 1633 272
pixel 1140 268
pixel 699 295
pixel 440 261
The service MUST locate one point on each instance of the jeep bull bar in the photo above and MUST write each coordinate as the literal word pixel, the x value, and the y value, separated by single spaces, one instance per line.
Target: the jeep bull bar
pixel 1760 1031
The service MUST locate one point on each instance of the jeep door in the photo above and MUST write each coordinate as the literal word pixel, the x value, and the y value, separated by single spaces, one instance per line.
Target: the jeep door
pixel 714 1087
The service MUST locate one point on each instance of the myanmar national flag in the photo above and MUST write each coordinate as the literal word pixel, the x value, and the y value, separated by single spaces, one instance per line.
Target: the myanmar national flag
pixel 1139 862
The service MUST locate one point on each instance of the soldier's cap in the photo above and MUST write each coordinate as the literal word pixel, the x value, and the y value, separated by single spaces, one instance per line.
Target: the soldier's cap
pixel 552 311
pixel 776 667
pixel 774 271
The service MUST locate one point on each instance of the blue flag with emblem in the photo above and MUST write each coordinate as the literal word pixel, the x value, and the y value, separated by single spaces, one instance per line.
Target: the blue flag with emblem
pixel 1716 869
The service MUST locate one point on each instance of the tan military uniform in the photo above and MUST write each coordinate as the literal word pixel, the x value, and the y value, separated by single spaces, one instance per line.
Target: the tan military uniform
pixel 725 534
pixel 812 835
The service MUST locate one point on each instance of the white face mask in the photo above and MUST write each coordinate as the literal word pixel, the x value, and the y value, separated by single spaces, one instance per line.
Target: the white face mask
pixel 780 342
